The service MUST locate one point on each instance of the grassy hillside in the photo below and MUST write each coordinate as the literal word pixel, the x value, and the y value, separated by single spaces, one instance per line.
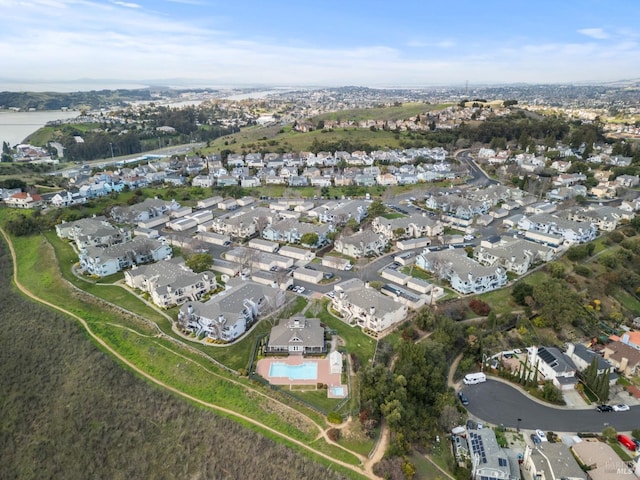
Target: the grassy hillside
pixel 400 112
pixel 69 411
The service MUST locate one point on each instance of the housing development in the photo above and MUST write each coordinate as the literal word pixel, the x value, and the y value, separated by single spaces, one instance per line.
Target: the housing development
pixel 471 291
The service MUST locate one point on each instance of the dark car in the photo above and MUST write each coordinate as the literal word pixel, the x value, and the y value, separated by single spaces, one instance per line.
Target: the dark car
pixel 535 439
pixel 463 398
pixel 604 408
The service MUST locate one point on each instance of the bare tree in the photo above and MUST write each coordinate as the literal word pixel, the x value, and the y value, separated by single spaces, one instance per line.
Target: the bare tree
pixel 261 223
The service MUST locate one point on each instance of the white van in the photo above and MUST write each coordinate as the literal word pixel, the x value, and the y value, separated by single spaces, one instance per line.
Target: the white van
pixel 473 378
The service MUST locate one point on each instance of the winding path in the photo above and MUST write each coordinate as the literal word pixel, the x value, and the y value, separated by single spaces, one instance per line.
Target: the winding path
pixel 368 466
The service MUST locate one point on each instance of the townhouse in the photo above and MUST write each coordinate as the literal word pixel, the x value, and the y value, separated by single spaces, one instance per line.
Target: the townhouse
pixel 513 254
pixel 103 261
pixel 362 305
pixel 227 315
pixel 92 232
pixel 413 226
pixel 292 230
pixel 170 282
pixel 463 273
pixel 361 244
pixel 570 231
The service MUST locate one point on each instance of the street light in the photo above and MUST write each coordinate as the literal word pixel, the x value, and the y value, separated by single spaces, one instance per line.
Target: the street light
pixel 518 426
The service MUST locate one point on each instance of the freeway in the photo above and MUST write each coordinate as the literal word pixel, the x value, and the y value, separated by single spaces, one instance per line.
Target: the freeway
pixel 501 404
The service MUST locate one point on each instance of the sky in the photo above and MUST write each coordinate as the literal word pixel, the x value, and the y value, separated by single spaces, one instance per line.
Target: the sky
pixel 317 43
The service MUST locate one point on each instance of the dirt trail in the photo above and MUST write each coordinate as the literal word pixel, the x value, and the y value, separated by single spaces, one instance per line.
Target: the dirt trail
pixel 160 383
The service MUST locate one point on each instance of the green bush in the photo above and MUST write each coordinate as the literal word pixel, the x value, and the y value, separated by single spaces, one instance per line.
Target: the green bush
pixel 334 417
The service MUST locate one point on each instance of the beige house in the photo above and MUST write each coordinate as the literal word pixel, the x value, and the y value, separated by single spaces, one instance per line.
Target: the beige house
pixel 623 357
pixel 361 244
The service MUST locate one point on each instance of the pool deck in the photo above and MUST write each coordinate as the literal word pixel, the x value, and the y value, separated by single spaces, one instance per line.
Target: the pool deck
pixel 324 372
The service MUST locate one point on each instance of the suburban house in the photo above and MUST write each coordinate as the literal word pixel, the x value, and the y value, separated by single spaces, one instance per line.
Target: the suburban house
pixel 488 460
pixel 463 273
pixel 555 462
pixel 67 198
pixel 228 314
pixel 24 200
pixel 170 282
pixel 603 461
pixel 92 232
pixel 360 244
pixel 297 336
pixel 581 356
pixel 103 261
pixel 358 303
pixel 513 254
pixel 624 358
pixel 554 365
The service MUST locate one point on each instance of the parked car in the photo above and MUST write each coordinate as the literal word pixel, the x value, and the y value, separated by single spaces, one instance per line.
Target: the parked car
pixel 301 289
pixel 348 267
pixel 604 408
pixel 463 399
pixel 621 408
pixel 627 442
pixel 541 435
pixel 535 439
pixel 328 276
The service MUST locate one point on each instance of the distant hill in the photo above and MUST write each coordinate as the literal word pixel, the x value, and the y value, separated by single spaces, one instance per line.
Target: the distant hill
pixel 74 100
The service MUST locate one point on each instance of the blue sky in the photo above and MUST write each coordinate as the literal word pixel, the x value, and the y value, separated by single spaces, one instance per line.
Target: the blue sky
pixel 326 42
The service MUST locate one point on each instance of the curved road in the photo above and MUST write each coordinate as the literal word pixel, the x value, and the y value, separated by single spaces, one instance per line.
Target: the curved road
pixel 499 403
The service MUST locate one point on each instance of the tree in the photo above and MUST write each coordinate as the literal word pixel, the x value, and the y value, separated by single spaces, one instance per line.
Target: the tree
pixel 309 239
pixel 521 291
pixel 199 262
pixel 399 232
pixel 376 208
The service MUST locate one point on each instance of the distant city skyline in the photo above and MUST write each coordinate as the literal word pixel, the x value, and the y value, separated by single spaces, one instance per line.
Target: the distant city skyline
pixel 186 43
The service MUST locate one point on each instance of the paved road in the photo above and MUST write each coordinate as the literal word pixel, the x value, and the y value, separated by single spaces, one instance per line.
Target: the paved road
pixel 499 403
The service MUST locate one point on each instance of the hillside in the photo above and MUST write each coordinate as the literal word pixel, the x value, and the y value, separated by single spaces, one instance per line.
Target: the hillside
pixel 69 411
pixel 73 100
pixel 394 113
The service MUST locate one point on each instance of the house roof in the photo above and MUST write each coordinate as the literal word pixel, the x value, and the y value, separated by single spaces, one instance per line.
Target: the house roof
pixel 364 297
pixel 491 459
pixel 588 355
pixel 557 360
pixel 620 351
pixel 300 331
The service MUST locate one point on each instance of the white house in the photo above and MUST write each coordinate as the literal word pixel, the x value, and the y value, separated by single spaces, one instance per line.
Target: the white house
pixel 227 316
pixel 365 306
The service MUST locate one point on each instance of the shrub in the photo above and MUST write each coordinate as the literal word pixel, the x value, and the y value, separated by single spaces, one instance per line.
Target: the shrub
pixel 334 434
pixel 334 417
pixel 479 307
pixel 582 270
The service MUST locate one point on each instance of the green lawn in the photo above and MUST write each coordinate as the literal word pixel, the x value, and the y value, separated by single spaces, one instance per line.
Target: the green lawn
pixel 627 300
pixel 417 272
pixel 361 345
pixel 499 300
pixel 393 215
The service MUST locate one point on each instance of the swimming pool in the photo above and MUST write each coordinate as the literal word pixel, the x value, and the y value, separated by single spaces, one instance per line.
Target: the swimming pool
pixel 304 371
pixel 338 391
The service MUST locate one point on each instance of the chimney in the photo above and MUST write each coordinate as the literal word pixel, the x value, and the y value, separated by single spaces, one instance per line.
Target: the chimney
pixel 190 309
pixel 372 311
pixel 366 285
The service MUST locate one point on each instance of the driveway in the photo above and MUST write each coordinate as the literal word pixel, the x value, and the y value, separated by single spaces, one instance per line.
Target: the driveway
pixel 499 403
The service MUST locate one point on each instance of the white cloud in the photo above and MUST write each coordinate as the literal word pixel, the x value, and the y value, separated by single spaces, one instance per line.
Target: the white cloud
pixel 597 33
pixel 127 4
